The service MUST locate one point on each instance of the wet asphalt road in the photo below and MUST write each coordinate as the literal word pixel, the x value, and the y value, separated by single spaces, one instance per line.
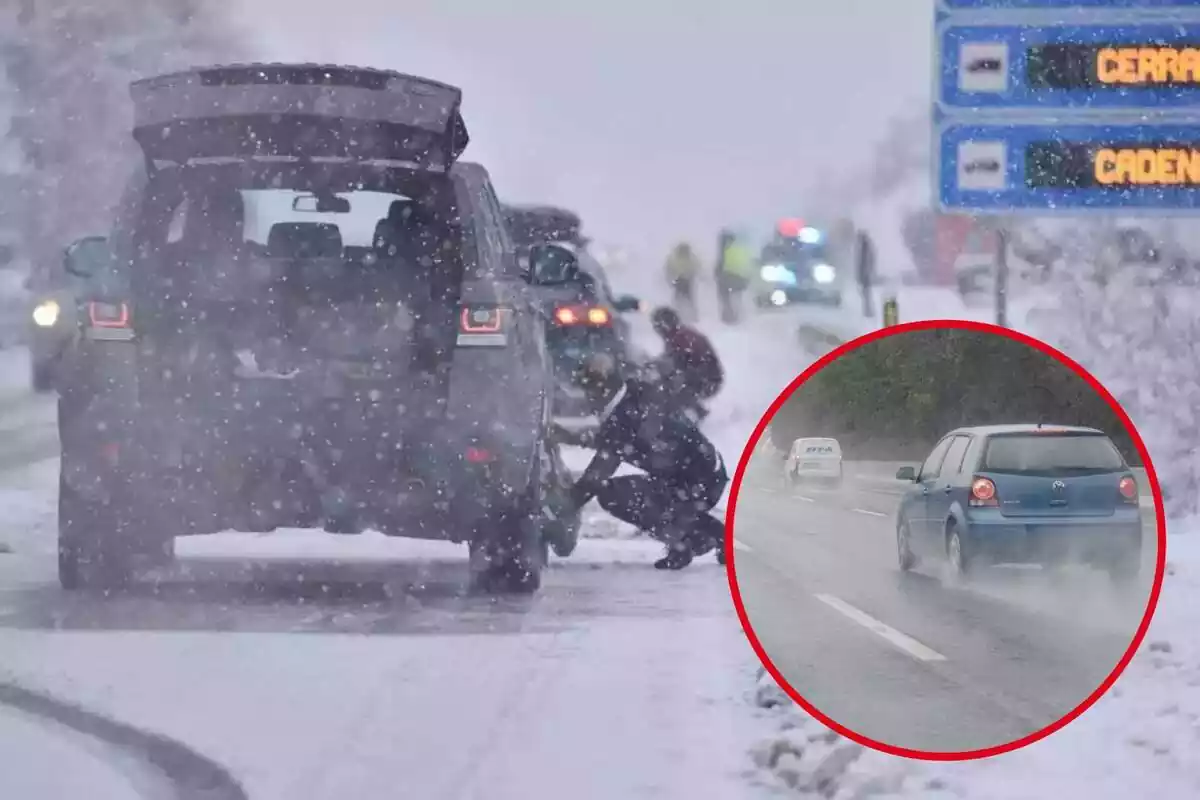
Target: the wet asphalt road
pixel 910 659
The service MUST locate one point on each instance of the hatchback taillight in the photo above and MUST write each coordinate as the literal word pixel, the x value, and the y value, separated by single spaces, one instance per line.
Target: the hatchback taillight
pixel 478 455
pixel 983 492
pixel 1129 489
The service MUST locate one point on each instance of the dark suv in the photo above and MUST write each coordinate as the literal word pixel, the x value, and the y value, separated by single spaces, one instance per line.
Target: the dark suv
pixel 328 327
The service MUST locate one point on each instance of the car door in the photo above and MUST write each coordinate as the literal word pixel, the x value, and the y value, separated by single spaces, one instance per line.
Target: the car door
pixel 941 493
pixel 920 526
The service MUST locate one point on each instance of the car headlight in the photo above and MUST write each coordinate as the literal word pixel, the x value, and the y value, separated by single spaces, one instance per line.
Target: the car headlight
pixel 46 314
pixel 777 273
pixel 823 273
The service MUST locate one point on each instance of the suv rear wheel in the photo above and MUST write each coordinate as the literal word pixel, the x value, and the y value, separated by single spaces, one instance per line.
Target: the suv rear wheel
pixel 509 558
pixel 509 550
pixel 957 554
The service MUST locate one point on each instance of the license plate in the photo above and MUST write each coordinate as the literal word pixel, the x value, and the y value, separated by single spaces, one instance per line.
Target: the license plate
pixel 810 465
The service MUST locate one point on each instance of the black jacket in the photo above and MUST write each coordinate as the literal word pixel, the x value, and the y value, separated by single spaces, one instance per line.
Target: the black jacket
pixel 641 429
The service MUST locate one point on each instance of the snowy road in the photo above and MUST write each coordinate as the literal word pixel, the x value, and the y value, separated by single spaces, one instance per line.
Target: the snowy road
pixel 615 682
pixel 312 666
pixel 907 659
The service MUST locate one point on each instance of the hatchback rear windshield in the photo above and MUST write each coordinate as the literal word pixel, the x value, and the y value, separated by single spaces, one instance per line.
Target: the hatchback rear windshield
pixel 1052 454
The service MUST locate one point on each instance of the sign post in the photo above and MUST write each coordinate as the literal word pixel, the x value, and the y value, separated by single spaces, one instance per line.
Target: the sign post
pixel 1066 107
pixel 891 311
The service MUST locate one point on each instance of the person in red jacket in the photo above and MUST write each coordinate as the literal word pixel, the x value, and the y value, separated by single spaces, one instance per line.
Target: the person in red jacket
pixel 689 364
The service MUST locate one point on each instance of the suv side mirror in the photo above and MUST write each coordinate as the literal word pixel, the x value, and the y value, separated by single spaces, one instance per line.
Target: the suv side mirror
pixel 626 302
pixel 84 257
pixel 906 474
pixel 552 264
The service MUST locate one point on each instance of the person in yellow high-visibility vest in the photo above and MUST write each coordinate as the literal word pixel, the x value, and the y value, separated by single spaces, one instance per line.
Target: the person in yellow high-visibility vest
pixel 683 269
pixel 735 268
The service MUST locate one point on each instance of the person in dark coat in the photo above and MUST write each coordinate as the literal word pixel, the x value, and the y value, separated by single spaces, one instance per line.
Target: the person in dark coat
pixel 865 270
pixel 689 364
pixel 684 478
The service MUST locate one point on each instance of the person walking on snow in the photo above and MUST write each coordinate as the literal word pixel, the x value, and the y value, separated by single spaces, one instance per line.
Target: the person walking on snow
pixel 684 478
pixel 735 265
pixel 865 270
pixel 682 270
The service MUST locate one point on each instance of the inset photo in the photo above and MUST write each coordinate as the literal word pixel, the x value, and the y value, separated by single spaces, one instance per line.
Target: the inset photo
pixel 946 540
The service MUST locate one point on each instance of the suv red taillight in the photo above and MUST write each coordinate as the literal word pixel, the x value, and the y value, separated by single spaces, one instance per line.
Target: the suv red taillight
pixel 983 492
pixel 1129 489
pixel 108 315
pixel 480 319
pixel 483 326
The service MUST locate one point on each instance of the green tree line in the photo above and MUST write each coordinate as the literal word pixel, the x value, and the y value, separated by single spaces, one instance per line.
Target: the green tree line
pixel 894 398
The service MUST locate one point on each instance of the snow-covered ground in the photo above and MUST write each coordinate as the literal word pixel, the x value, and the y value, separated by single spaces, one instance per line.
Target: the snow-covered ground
pixel 617 682
pixel 601 655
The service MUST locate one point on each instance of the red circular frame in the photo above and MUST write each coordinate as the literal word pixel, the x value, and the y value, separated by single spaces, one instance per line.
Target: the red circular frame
pixel 1155 489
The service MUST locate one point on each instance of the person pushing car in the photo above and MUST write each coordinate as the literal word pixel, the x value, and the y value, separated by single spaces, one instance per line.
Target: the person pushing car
pixel 684 478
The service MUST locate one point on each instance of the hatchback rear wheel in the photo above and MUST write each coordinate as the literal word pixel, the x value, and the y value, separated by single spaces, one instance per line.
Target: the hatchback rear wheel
pixel 904 551
pixel 957 556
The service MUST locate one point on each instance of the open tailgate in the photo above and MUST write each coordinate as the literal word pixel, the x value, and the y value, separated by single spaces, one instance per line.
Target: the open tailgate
pixel 300 110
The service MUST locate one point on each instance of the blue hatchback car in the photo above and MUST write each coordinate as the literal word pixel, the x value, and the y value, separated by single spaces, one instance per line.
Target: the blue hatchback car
pixel 1026 494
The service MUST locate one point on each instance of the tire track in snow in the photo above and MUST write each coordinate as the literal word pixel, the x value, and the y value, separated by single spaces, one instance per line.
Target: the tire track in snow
pixel 190 775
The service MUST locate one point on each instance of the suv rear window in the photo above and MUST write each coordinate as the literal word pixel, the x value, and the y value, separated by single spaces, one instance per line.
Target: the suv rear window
pixel 390 219
pixel 1052 454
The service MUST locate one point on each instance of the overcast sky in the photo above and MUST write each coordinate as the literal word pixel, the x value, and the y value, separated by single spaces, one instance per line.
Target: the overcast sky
pixel 651 120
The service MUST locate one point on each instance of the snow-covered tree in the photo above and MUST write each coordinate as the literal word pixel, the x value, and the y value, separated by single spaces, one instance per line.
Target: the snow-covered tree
pixel 1141 339
pixel 66 67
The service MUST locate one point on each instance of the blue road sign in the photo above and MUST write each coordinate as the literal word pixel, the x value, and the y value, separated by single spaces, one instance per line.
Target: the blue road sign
pixel 1030 5
pixel 1047 169
pixel 1100 67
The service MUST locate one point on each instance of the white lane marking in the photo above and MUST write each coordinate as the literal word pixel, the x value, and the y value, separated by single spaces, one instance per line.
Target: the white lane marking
pixel 906 643
pixel 887 491
pixel 738 544
pixel 805 499
pixel 869 512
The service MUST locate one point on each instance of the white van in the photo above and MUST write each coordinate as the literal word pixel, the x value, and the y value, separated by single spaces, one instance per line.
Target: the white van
pixel 816 460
